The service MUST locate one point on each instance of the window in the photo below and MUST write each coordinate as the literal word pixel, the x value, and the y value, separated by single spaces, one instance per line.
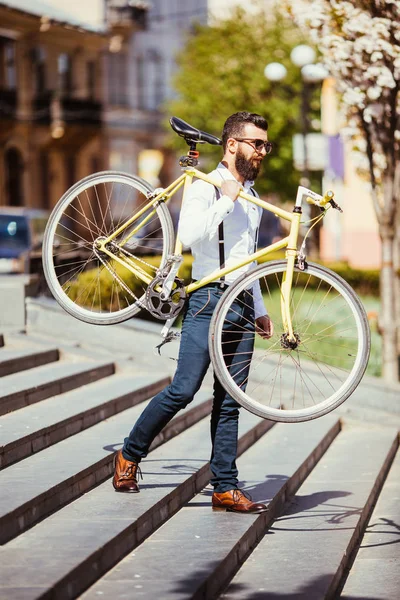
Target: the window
pixel 8 72
pixel 65 74
pixel 14 170
pixel 91 79
pixel 150 80
pixel 39 62
pixel 117 78
pixel 140 72
pixel 44 178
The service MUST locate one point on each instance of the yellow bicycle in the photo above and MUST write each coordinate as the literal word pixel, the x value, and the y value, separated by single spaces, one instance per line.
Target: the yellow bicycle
pixel 109 251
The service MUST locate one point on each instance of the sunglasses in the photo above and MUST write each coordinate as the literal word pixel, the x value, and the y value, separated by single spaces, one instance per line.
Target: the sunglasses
pixel 257 144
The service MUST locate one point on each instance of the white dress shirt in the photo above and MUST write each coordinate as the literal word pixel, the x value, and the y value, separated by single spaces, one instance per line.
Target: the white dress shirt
pixel 200 217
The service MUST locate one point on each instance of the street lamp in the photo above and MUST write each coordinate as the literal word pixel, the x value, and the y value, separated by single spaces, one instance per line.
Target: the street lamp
pixel 302 56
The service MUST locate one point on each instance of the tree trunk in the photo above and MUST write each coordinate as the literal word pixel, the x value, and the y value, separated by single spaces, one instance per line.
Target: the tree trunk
pixel 397 292
pixel 388 308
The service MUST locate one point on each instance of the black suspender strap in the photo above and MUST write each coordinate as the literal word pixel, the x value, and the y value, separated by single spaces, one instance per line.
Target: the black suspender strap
pixel 221 245
pixel 256 235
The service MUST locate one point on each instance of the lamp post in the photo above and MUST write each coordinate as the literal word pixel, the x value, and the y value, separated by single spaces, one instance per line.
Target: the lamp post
pixel 302 56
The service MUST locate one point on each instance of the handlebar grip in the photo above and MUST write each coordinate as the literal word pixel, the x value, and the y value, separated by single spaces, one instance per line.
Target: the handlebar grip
pixel 328 197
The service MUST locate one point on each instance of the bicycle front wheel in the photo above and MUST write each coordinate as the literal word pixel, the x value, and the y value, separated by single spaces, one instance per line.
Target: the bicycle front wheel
pixel 301 380
pixel 91 285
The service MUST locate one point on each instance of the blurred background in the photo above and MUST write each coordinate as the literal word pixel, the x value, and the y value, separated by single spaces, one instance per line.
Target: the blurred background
pixel 90 86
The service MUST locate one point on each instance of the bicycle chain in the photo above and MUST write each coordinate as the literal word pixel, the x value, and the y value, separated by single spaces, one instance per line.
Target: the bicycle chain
pixel 149 294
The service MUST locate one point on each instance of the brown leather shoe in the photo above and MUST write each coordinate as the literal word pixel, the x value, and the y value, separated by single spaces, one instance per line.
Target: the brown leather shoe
pixel 236 501
pixel 125 475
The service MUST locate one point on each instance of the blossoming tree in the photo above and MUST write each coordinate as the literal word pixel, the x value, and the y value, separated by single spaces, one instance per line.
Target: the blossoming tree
pixel 360 45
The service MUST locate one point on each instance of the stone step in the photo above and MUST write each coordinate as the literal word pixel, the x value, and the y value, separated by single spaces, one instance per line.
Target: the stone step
pixel 21 389
pixel 67 348
pixel 198 550
pixel 59 417
pixel 69 550
pixel 310 545
pixel 13 360
pixel 375 573
pixel 42 483
pixel 46 317
pixel 352 411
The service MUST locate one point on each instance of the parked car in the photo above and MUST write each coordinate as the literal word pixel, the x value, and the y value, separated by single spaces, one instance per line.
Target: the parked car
pixel 21 238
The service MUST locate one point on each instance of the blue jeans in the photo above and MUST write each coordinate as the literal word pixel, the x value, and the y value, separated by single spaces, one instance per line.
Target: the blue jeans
pixel 193 362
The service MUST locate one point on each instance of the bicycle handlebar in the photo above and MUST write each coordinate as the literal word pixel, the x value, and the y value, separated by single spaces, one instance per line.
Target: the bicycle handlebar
pixel 316 199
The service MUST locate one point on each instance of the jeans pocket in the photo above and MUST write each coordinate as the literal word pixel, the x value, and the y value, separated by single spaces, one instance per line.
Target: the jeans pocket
pixel 200 304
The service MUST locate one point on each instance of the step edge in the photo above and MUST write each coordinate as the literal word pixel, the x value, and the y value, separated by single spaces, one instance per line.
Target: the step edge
pixel 99 472
pixel 339 580
pixel 22 397
pixel 145 390
pixel 218 581
pixel 73 584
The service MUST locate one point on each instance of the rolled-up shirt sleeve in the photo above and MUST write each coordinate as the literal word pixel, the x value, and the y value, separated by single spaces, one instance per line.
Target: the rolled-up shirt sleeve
pixel 260 309
pixel 200 214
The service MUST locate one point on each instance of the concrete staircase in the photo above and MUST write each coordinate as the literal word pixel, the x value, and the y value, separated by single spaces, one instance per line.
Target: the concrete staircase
pixel 69 394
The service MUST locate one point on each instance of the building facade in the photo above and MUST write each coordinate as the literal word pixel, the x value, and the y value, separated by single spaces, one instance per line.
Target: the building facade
pixel 50 106
pixel 140 68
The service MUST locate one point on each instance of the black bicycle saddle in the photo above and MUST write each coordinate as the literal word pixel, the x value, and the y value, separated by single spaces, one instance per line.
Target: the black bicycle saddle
pixel 191 134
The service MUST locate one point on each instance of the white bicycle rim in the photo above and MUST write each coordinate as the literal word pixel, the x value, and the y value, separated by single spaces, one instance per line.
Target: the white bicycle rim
pixel 83 313
pixel 341 385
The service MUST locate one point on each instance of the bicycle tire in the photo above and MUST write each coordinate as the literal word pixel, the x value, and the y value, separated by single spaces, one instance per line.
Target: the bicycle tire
pixel 78 242
pixel 335 377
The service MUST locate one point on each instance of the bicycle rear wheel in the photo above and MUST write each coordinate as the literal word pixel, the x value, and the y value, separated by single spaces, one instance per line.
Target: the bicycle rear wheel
pixel 91 285
pixel 309 378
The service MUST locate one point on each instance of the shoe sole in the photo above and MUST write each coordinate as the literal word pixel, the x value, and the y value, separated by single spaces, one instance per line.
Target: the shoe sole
pixel 243 512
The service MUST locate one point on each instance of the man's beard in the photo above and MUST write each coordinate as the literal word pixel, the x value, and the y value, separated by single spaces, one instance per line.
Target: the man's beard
pixel 248 169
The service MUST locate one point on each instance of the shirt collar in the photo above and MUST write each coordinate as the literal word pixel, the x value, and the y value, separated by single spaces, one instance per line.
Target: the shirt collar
pixel 226 174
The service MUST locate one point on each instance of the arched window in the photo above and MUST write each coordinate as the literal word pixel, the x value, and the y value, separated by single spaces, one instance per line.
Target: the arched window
pixel 14 169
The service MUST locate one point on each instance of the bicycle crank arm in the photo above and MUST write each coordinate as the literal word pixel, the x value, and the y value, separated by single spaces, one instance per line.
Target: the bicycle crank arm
pixel 176 261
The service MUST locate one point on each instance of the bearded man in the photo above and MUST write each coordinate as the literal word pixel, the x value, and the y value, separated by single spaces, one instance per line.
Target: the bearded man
pixel 221 229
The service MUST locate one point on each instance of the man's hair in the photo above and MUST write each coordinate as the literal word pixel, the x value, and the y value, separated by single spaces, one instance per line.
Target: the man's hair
pixel 234 125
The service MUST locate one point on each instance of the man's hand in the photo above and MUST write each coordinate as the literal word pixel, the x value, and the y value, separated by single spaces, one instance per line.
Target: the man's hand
pixel 231 188
pixel 264 327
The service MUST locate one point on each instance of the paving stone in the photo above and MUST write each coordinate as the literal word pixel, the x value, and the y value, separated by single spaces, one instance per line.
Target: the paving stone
pixel 310 544
pixel 209 545
pixel 21 389
pixel 105 525
pixel 40 484
pixel 375 572
pixel 58 417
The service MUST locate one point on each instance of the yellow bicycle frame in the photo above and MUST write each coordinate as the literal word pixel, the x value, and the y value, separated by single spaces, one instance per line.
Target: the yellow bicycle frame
pixel 185 181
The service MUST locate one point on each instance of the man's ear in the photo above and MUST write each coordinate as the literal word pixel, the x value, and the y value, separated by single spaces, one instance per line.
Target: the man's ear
pixel 231 145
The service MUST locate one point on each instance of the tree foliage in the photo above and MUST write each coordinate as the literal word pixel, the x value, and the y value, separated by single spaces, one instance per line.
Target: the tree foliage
pixel 360 42
pixel 220 71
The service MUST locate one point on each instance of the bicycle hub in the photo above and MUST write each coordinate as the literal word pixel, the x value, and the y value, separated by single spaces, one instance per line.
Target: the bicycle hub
pixel 288 344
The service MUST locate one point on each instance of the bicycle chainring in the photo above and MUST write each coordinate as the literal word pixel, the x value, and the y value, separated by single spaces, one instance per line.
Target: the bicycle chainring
pixel 165 309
